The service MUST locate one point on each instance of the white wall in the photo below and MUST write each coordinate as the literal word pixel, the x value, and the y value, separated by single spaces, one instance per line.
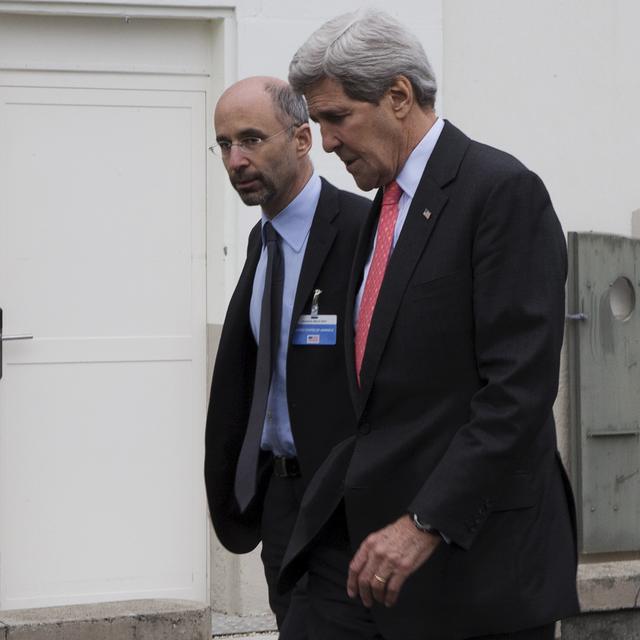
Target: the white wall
pixel 557 84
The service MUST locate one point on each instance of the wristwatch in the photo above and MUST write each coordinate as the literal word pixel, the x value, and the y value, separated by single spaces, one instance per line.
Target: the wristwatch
pixel 421 526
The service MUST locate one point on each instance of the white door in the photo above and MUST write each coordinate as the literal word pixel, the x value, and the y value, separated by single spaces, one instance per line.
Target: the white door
pixel 102 259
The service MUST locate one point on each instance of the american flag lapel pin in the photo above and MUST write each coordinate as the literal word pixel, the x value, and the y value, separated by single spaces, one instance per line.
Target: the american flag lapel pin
pixel 427 214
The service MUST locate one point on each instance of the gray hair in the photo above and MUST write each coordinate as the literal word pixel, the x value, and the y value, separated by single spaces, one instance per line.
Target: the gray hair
pixel 365 52
pixel 290 107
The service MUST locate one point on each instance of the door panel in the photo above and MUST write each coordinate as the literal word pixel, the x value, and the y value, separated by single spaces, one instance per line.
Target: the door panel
pixel 102 259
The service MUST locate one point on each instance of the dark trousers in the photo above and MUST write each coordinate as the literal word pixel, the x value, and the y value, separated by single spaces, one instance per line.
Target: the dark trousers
pixel 332 615
pixel 281 505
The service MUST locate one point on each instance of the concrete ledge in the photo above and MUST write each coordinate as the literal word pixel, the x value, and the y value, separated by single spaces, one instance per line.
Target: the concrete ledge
pixel 609 586
pixel 128 620
pixel 610 599
pixel 224 624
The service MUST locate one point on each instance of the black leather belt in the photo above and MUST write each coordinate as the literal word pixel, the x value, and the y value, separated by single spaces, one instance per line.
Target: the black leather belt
pixel 286 467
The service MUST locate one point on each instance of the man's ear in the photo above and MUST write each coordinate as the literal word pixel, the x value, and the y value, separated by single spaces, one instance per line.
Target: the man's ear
pixel 400 96
pixel 303 138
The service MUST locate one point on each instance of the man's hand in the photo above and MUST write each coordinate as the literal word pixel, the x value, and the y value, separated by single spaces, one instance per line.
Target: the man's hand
pixel 386 558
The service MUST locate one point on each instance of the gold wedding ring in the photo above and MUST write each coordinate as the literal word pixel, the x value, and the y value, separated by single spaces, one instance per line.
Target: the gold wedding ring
pixel 379 579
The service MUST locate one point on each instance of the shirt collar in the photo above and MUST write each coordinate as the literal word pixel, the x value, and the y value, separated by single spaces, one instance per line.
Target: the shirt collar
pixel 294 221
pixel 413 168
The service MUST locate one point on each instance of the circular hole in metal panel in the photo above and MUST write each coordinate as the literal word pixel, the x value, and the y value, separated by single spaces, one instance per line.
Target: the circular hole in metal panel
pixel 622 298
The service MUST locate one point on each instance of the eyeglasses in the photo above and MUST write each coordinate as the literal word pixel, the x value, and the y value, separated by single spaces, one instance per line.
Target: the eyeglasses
pixel 247 145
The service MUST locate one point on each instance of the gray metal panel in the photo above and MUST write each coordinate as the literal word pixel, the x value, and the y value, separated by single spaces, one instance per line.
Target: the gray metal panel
pixel 604 370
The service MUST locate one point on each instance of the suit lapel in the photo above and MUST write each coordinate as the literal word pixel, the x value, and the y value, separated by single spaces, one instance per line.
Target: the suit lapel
pixel 254 249
pixel 321 237
pixel 426 207
pixel 413 239
pixel 244 289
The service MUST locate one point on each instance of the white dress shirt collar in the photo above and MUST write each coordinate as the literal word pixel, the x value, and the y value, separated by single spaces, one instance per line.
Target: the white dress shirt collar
pixel 409 176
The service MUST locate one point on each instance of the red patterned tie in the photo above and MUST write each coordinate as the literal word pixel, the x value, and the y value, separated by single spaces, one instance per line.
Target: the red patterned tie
pixel 386 226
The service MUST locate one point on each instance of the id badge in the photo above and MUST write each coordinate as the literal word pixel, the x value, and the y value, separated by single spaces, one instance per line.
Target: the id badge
pixel 320 330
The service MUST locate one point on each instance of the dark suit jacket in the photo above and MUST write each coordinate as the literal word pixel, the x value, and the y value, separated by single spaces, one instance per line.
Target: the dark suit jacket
pixel 454 413
pixel 320 409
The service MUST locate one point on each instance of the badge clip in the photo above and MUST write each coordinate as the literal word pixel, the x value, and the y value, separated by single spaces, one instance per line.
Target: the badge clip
pixel 315 309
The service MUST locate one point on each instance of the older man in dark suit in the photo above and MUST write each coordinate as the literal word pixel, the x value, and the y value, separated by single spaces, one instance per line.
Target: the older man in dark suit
pixel 279 396
pixel 448 515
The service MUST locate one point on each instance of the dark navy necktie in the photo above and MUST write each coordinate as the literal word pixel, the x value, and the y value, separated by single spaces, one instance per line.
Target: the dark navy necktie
pixel 268 338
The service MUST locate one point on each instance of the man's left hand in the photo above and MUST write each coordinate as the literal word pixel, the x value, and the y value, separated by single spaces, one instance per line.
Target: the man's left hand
pixel 386 558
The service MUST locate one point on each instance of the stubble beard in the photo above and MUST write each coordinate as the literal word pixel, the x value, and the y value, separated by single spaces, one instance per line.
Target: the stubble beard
pixel 259 196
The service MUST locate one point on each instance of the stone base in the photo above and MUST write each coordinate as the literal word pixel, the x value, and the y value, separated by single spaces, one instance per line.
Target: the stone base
pixel 609 586
pixel 129 620
pixel 610 601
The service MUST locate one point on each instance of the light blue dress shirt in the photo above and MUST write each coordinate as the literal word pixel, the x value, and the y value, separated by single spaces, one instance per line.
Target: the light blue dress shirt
pixel 408 180
pixel 292 224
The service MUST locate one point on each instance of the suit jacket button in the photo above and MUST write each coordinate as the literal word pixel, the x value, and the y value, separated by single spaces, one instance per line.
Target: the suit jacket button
pixel 364 428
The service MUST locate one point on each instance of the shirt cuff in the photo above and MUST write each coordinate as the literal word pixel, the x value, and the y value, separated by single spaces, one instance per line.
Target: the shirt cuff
pixel 427 528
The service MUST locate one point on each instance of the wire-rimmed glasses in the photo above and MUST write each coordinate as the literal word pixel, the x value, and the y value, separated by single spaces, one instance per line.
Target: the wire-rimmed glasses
pixel 247 145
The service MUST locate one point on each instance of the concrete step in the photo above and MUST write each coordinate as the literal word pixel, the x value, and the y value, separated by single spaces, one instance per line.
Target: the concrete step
pixel 254 627
pixel 128 620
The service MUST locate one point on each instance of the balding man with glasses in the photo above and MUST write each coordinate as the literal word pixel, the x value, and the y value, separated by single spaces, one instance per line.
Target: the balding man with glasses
pixel 279 395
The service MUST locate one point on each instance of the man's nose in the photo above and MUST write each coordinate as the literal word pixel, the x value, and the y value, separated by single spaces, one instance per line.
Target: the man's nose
pixel 236 158
pixel 330 141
